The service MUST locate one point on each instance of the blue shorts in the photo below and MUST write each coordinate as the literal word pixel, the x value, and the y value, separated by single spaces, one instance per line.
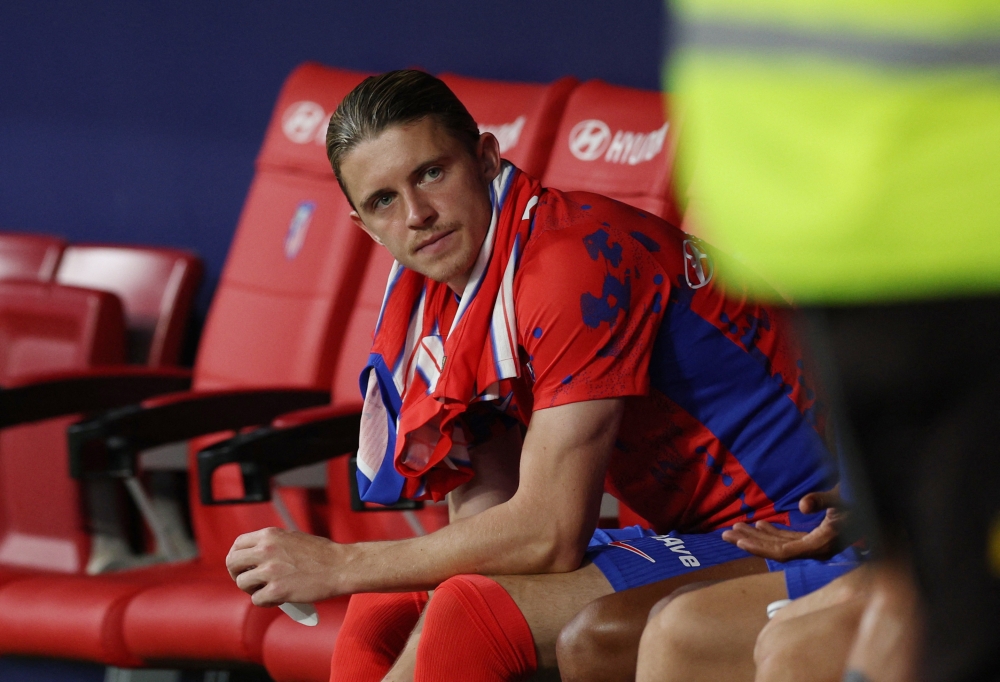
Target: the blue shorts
pixel 803 576
pixel 634 556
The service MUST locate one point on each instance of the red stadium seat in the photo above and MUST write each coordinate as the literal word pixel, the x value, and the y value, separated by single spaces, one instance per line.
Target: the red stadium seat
pixel 156 287
pixel 29 256
pixel 47 327
pixel 523 116
pixel 616 141
pixel 268 346
pixel 153 289
pixel 48 330
pixel 290 651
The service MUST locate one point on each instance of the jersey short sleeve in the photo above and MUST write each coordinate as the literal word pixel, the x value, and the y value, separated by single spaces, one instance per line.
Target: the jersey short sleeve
pixel 589 296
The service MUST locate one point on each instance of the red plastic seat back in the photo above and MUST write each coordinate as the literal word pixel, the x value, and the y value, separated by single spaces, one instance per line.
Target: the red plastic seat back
pixel 46 327
pixel 29 256
pixel 290 278
pixel 358 330
pixel 156 286
pixel 616 141
pixel 523 116
pixel 289 283
pixel 296 136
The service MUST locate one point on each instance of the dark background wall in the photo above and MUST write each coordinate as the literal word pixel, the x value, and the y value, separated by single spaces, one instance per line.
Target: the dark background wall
pixel 138 121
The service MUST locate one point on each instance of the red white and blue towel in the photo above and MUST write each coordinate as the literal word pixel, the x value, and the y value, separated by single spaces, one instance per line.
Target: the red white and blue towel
pixel 419 379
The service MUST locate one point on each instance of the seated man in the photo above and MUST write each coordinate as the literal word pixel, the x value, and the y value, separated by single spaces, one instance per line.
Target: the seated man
pixel 534 348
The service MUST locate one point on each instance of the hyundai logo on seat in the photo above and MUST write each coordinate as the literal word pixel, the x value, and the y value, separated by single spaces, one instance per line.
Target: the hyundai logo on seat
pixel 589 139
pixel 305 122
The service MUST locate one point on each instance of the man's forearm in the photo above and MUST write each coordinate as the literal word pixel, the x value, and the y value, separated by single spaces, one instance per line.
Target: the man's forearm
pixel 543 527
pixel 500 540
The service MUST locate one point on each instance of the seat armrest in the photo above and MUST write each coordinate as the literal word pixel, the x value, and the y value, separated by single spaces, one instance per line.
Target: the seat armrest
pixel 109 444
pixel 315 414
pixel 44 396
pixel 295 440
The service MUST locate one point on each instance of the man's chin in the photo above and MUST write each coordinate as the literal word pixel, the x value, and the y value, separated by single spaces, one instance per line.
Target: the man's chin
pixel 455 277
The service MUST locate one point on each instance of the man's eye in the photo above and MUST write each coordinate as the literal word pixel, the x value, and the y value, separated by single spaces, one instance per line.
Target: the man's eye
pixel 383 201
pixel 432 173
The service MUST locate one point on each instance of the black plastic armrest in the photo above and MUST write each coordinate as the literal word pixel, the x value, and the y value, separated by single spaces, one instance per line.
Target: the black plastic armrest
pixel 270 450
pixel 109 444
pixel 57 394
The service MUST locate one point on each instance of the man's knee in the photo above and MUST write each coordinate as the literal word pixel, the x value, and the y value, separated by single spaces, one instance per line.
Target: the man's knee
pixel 474 631
pixel 587 641
pixel 782 655
pixel 594 643
pixel 772 654
pixel 591 645
pixel 663 603
pixel 678 628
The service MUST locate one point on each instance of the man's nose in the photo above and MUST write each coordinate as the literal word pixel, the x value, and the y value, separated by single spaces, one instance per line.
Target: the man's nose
pixel 420 212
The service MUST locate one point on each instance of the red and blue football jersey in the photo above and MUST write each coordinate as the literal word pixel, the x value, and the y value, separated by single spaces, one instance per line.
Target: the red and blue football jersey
pixel 720 421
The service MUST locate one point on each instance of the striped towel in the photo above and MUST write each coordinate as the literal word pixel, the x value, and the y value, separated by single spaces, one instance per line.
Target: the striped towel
pixel 418 381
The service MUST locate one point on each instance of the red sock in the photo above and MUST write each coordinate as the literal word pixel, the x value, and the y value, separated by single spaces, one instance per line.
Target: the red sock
pixel 373 634
pixel 474 632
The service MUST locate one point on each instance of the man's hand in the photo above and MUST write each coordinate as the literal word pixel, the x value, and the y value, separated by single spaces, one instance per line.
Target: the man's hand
pixel 542 527
pixel 275 566
pixel 765 540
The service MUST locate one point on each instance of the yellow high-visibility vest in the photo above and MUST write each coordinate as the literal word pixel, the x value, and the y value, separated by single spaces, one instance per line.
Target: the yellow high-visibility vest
pixel 846 150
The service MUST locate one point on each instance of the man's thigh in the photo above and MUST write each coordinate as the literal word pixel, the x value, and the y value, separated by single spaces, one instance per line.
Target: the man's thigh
pixel 709 633
pixel 550 601
pixel 809 647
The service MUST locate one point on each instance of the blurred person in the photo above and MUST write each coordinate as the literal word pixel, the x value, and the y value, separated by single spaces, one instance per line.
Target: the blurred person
pixel 849 153
pixel 535 346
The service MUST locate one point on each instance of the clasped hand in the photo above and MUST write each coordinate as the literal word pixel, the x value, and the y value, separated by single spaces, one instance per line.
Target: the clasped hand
pixel 275 566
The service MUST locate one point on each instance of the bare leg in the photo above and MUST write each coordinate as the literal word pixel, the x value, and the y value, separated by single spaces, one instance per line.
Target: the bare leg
pixel 890 631
pixel 811 647
pixel 709 634
pixel 548 602
pixel 602 641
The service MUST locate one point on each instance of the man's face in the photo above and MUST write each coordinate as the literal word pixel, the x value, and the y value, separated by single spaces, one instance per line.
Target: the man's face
pixel 419 191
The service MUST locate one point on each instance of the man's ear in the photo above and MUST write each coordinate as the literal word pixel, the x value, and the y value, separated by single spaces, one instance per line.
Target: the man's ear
pixel 489 156
pixel 356 219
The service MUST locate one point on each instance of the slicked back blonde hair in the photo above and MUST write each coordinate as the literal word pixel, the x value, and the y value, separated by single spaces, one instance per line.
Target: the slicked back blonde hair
pixel 395 98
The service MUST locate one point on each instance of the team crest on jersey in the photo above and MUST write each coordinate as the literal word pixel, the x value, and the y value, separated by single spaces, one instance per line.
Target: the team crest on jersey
pixel 698 266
